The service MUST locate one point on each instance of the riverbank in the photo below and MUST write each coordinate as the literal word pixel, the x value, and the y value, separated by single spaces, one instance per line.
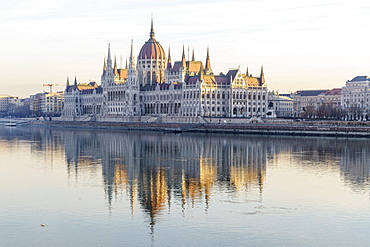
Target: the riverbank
pixel 304 128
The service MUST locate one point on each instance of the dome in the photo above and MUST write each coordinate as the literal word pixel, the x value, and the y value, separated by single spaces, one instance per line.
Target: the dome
pixel 152 49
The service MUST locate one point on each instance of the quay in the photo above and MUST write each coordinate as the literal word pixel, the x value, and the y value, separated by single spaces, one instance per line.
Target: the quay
pixel 304 128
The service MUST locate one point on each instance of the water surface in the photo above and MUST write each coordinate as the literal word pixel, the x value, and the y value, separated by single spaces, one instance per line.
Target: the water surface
pixel 68 187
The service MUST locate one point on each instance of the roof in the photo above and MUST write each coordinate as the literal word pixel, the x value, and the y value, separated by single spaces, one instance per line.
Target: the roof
pixel 191 80
pixel 310 92
pixel 176 66
pixel 334 91
pixel 231 74
pixel 253 81
pixel 194 67
pixel 123 73
pixel 360 78
pixel 222 80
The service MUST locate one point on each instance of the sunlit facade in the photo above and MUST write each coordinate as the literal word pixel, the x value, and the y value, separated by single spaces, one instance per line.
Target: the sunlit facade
pixel 151 87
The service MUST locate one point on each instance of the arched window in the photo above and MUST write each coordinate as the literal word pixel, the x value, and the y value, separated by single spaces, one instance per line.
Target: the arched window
pixel 148 77
pixel 154 78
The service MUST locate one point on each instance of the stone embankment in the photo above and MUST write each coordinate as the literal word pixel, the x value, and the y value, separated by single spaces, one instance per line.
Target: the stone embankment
pixel 304 128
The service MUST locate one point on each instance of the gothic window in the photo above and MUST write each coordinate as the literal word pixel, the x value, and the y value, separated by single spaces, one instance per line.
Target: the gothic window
pixel 154 77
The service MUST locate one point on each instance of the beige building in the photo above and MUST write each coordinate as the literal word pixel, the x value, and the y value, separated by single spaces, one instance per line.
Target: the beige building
pixel 355 98
pixel 52 103
pixel 279 106
pixel 8 103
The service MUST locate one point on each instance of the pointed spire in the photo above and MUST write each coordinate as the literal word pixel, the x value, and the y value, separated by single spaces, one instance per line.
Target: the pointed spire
pixel 183 59
pixel 262 76
pixel 247 73
pixel 131 59
pixel 105 65
pixel 132 47
pixel 67 84
pixel 126 64
pixel 208 69
pixel 193 58
pixel 75 83
pixel 169 64
pixel 151 29
pixel 109 59
pixel 109 52
pixel 115 69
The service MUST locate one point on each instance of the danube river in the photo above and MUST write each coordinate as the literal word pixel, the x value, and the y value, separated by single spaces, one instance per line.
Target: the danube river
pixel 70 187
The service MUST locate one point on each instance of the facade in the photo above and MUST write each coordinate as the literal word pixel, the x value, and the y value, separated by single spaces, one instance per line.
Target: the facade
pixel 306 101
pixel 355 98
pixel 151 87
pixel 8 103
pixel 322 104
pixel 36 103
pixel 52 104
pixel 279 106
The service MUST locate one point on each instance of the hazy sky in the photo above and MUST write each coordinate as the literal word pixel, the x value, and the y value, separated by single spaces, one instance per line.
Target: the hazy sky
pixel 301 44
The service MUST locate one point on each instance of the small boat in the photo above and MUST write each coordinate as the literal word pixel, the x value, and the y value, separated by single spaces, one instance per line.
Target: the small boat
pixel 11 124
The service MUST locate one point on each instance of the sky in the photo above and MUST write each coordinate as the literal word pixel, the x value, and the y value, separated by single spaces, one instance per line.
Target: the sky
pixel 315 44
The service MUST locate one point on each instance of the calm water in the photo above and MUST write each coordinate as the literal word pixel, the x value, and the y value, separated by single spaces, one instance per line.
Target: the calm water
pixel 62 187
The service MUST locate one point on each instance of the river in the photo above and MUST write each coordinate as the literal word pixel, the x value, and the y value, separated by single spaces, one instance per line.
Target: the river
pixel 75 187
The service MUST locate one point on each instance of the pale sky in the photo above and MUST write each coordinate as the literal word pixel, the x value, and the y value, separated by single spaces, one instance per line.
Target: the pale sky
pixel 301 44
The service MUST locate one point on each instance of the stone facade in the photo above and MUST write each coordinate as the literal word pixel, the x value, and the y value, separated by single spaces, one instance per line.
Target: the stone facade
pixel 279 106
pixel 153 87
pixel 355 98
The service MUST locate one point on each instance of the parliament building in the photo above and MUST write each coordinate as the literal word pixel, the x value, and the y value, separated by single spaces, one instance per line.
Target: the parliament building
pixel 152 87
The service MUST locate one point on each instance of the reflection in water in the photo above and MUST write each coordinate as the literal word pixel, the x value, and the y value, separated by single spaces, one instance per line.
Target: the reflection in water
pixel 156 169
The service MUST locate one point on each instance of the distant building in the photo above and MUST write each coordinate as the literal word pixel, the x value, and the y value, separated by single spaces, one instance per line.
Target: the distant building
pixel 279 105
pixel 306 100
pixel 36 103
pixel 331 97
pixel 52 103
pixel 8 104
pixel 355 98
pixel 153 87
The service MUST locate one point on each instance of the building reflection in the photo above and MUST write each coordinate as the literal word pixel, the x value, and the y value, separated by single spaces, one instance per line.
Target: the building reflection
pixel 159 169
pixel 156 170
pixel 354 164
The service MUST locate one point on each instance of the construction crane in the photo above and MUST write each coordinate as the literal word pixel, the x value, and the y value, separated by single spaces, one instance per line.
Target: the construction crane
pixel 51 86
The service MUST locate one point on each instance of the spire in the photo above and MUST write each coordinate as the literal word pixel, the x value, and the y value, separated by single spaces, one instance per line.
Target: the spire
pixel 208 69
pixel 115 69
pixel 183 60
pixel 169 65
pixel 132 47
pixel 109 59
pixel 193 58
pixel 67 84
pixel 151 29
pixel 105 65
pixel 126 64
pixel 75 83
pixel 262 76
pixel 247 73
pixel 131 59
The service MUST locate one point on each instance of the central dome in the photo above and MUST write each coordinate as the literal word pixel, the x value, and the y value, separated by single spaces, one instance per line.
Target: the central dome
pixel 152 49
